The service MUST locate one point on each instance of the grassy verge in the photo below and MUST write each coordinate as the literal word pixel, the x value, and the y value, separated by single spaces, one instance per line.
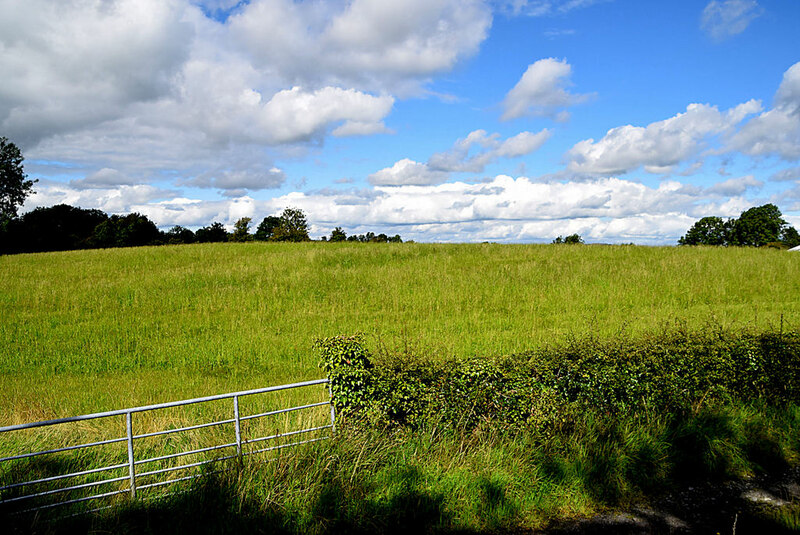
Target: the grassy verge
pixel 482 480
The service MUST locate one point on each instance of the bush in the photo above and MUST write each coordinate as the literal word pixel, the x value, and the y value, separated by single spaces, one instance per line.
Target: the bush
pixel 668 373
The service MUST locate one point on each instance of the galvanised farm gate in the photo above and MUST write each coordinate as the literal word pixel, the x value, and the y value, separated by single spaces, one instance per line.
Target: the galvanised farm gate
pixel 22 494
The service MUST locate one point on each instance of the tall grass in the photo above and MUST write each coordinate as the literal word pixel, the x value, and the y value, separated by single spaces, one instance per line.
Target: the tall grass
pixel 83 330
pixel 486 481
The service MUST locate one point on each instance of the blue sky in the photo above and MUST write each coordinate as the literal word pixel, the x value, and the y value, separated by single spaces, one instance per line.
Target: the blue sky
pixel 512 121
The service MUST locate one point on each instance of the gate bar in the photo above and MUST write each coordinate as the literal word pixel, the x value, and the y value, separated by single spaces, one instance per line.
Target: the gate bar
pixel 160 405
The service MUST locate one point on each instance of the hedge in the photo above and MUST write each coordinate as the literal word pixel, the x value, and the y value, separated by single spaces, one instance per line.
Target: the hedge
pixel 671 372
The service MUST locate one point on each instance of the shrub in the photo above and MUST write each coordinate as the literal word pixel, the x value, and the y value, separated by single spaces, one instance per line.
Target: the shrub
pixel 669 373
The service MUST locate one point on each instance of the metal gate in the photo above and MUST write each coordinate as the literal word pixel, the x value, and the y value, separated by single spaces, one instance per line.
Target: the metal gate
pixel 25 494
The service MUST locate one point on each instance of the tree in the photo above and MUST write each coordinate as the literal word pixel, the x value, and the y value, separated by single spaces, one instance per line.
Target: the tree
pixel 293 226
pixel 14 186
pixel 178 235
pixel 338 234
pixel 790 237
pixel 710 230
pixel 758 226
pixel 755 227
pixel 131 230
pixel 572 239
pixel 267 228
pixel 57 228
pixel 241 230
pixel 213 233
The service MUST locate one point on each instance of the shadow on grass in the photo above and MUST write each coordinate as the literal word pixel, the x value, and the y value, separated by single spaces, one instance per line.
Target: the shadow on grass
pixel 405 505
pixel 695 472
pixel 687 470
pixel 215 505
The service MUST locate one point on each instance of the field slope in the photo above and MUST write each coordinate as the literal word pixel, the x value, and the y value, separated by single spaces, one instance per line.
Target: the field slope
pixel 90 330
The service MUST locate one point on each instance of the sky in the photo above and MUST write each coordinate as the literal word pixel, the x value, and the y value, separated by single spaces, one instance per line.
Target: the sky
pixel 439 120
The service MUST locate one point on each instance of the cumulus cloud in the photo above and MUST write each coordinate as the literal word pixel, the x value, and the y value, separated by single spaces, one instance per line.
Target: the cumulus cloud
pixel 660 145
pixel 786 175
pixel 541 92
pixel 725 19
pixel 163 78
pixel 522 144
pixel 103 179
pixel 467 155
pixel 735 186
pixel 407 172
pixel 775 131
pixel 296 115
pixel 117 199
pixel 500 209
pixel 371 44
pixel 184 157
pixel 508 209
pixel 234 182
pixel 94 58
pixel 460 157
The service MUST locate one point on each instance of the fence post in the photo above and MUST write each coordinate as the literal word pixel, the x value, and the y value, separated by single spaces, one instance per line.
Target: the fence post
pixel 238 428
pixel 131 464
pixel 333 409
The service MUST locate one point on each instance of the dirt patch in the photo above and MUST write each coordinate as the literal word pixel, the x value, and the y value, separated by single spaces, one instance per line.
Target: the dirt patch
pixel 761 505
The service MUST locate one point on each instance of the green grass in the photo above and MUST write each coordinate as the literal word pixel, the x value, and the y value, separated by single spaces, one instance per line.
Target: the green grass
pixel 483 480
pixel 85 331
pixel 207 318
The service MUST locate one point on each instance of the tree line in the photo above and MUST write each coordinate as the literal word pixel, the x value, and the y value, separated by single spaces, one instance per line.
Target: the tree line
pixel 758 226
pixel 339 235
pixel 64 227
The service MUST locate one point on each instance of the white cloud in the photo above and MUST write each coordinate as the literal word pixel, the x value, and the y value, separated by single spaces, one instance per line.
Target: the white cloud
pixel 407 172
pixel 541 92
pixel 522 144
pixel 297 115
pixel 735 186
pixel 786 175
pixel 460 158
pixel 540 8
pixel 776 131
pixel 103 178
pixel 660 145
pixel 71 65
pixel 727 18
pixel 217 98
pixel 117 199
pixel 237 180
pixel 501 209
pixel 372 44
pixel 197 96
pixel 555 33
pixel 352 128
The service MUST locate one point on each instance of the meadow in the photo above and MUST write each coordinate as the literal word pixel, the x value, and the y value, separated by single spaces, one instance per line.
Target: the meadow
pixel 85 331
pixel 101 329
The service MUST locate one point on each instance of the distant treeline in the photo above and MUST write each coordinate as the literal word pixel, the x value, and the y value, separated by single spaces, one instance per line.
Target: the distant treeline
pixel 63 227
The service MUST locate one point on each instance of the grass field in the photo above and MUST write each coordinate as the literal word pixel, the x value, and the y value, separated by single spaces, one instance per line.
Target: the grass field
pixel 101 329
pixel 86 331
